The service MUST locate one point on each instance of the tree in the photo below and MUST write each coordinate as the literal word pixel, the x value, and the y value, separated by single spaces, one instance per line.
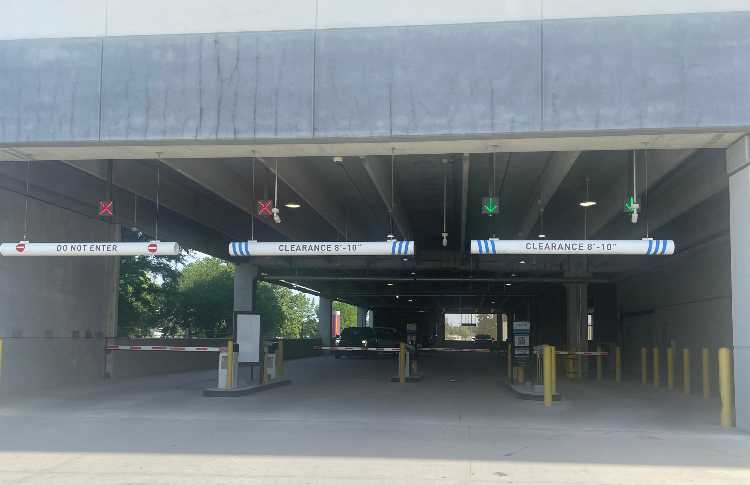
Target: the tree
pixel 348 314
pixel 146 284
pixel 205 298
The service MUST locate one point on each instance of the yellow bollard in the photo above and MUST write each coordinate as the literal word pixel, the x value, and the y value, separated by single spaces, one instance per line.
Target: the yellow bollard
pixel 547 375
pixel 599 368
pixel 230 364
pixel 686 372
pixel 725 386
pixel 618 365
pixel 521 375
pixel 656 368
pixel 280 359
pixel 579 367
pixel 644 366
pixel 706 374
pixel 670 368
pixel 554 370
pixel 402 363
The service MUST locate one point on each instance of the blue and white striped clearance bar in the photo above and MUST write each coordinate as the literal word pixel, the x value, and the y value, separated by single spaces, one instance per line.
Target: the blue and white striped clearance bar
pixel 339 248
pixel 645 247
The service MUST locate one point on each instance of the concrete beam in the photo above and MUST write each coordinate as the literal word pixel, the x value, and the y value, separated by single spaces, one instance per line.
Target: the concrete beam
pixel 379 171
pixel 555 171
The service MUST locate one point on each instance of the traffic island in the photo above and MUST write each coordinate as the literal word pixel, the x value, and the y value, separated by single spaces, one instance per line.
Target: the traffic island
pixel 531 392
pixel 246 390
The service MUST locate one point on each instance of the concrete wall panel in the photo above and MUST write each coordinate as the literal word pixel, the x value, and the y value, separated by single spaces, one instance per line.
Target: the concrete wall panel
pixel 208 86
pixel 646 72
pixel 428 80
pixel 49 90
pixel 56 312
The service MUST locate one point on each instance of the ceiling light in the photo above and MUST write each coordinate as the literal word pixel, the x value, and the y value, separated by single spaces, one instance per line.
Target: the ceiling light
pixel 587 202
pixel 404 259
pixel 506 284
pixel 523 261
pixel 493 302
pixel 390 236
pixel 413 273
pixel 389 284
pixel 542 236
pixel 292 205
pixel 410 300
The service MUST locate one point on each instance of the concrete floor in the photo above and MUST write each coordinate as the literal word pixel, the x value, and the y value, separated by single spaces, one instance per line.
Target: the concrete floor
pixel 341 421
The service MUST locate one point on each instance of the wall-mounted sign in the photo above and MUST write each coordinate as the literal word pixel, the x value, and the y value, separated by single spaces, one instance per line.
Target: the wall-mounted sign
pixel 648 247
pixel 299 248
pixel 153 248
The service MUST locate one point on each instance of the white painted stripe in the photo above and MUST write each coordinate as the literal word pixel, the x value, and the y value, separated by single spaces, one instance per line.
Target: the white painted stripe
pixel 28 19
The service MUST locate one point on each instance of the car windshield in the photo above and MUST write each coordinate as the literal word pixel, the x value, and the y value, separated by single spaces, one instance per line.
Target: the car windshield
pixel 386 333
pixel 357 332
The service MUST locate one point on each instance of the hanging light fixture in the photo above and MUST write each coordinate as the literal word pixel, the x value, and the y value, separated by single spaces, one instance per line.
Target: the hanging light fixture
pixel 542 235
pixel 588 202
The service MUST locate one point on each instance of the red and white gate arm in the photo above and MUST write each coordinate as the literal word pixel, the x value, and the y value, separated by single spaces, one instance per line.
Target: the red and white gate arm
pixel 359 349
pixel 165 348
pixel 448 349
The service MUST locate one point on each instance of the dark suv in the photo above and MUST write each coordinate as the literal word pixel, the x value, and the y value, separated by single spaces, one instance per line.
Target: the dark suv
pixel 355 337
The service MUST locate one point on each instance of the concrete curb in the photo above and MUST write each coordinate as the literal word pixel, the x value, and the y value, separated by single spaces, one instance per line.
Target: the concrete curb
pixel 522 392
pixel 414 378
pixel 244 391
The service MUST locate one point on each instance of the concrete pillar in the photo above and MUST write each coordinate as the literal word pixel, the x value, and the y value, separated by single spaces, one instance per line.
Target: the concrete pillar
pixel 370 318
pixel 738 168
pixel 245 278
pixel 576 314
pixel 325 310
pixel 361 317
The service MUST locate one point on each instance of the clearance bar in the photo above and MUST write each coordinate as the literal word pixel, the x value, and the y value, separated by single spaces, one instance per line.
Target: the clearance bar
pixel 153 248
pixel 645 247
pixel 298 248
pixel 165 348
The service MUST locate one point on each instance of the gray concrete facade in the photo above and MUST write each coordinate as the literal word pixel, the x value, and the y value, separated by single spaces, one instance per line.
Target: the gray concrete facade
pixel 682 72
pixel 56 312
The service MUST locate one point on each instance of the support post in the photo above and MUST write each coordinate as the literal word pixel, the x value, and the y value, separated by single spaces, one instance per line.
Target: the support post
pixel 547 375
pixel 670 368
pixel 618 365
pixel 520 375
pixel 599 367
pixel 1 360
pixel 725 387
pixel 656 368
pixel 325 316
pixel 644 366
pixel 706 374
pixel 230 364
pixel 402 363
pixel 686 371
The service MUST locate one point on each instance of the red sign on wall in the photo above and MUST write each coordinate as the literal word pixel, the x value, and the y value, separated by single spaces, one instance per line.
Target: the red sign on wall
pixel 106 208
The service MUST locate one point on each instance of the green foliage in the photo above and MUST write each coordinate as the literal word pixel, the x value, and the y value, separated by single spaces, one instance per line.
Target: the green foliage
pixel 146 285
pixel 198 301
pixel 348 314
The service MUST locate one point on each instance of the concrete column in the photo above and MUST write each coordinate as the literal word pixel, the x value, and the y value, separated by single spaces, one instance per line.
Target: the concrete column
pixel 576 314
pixel 245 277
pixel 738 168
pixel 325 310
pixel 361 317
pixel 370 318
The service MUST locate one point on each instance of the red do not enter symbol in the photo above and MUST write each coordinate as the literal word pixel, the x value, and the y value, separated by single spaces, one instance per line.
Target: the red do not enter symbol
pixel 152 248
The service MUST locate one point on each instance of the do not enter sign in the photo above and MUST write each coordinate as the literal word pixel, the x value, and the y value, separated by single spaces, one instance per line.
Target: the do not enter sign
pixel 113 248
pixel 20 247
